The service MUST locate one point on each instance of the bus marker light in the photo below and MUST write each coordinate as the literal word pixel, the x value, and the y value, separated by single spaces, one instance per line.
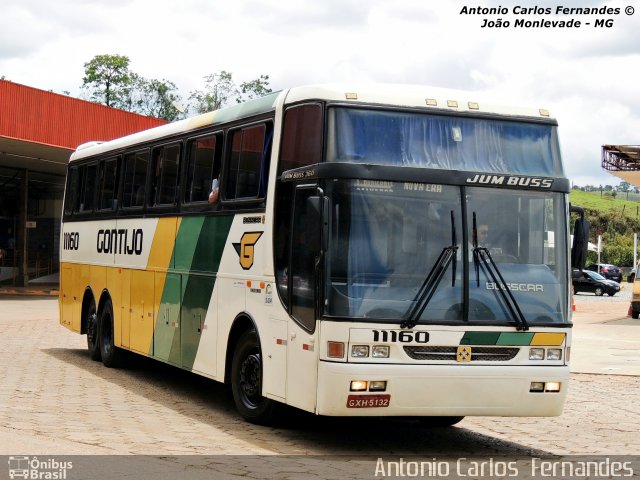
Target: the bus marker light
pixel 377 385
pixel 552 387
pixel 536 387
pixel 360 351
pixel 335 349
pixel 473 106
pixel 351 96
pixel 432 102
pixel 543 112
pixel 452 103
pixel 358 385
pixel 567 354
pixel 554 354
pixel 380 351
pixel 536 354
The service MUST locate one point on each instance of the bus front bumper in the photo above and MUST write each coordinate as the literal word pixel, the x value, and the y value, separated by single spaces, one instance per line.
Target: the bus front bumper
pixel 441 390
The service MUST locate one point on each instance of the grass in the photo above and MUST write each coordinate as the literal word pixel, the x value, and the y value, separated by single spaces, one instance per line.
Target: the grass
pixel 607 203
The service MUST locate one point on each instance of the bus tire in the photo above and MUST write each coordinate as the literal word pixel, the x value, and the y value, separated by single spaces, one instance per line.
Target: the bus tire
pixel 93 346
pixel 439 422
pixel 111 355
pixel 246 381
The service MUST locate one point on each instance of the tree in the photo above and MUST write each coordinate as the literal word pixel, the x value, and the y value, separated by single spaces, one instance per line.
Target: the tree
pixel 109 80
pixel 254 88
pixel 157 98
pixel 219 91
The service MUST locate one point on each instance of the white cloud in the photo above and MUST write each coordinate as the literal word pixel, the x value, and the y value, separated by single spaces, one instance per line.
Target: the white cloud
pixel 587 77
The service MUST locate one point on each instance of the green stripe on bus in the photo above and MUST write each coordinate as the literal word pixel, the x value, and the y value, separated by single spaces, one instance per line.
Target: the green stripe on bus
pixel 188 287
pixel 496 338
pixel 511 338
pixel 479 338
pixel 198 286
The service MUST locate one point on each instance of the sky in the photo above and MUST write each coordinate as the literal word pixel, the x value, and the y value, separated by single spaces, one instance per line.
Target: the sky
pixel 588 77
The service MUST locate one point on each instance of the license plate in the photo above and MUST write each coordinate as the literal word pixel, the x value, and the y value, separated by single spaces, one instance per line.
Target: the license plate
pixel 368 401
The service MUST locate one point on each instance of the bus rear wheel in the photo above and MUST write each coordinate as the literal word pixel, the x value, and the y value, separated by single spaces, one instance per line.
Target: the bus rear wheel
pixel 92 331
pixel 111 355
pixel 246 381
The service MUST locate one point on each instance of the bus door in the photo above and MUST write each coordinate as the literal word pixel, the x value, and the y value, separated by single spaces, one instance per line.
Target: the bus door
pixel 303 348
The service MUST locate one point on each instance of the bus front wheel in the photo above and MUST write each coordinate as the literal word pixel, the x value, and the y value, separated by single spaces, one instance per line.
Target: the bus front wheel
pixel 246 381
pixel 111 355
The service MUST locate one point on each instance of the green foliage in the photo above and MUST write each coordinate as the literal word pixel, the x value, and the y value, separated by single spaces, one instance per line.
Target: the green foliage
pixel 110 82
pixel 255 88
pixel 615 219
pixel 108 79
pixel 220 90
pixel 157 98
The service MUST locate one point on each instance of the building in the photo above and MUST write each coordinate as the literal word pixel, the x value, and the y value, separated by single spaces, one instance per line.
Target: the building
pixel 623 161
pixel 38 132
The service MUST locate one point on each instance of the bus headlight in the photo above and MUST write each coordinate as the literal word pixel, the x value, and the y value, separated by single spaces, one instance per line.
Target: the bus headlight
pixel 377 385
pixel 358 385
pixel 380 351
pixel 360 351
pixel 552 387
pixel 554 354
pixel 536 354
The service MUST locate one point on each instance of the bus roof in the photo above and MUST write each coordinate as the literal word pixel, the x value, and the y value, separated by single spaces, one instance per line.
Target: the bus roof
pixel 412 96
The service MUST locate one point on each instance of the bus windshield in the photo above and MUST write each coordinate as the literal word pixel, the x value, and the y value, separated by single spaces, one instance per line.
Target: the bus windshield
pixel 385 237
pixel 443 142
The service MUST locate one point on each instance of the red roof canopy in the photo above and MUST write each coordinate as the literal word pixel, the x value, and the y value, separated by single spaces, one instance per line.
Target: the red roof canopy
pixel 37 116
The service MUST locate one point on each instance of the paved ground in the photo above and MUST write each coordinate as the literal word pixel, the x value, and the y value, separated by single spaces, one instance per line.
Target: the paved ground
pixel 54 400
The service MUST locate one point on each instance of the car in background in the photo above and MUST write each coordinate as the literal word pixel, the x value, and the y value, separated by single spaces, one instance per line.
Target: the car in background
pixel 588 281
pixel 608 271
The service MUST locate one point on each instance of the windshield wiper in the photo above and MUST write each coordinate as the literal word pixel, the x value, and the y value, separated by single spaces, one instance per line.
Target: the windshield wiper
pixel 430 284
pixel 482 254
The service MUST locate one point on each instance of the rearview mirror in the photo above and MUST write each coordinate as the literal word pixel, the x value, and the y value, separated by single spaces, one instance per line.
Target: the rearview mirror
pixel 580 239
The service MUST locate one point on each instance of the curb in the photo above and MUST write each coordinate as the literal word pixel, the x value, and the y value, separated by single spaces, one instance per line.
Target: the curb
pixel 29 292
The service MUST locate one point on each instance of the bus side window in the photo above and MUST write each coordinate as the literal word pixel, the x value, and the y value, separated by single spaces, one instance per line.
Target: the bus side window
pixel 248 163
pixel 203 166
pixel 109 173
pixel 164 177
pixel 135 177
pixel 87 187
pixel 301 145
pixel 70 199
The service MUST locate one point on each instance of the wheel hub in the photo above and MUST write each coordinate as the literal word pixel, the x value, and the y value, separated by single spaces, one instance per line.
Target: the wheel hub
pixel 250 376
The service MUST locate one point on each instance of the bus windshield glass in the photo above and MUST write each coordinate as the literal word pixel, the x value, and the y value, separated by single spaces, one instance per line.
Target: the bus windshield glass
pixel 386 237
pixel 443 142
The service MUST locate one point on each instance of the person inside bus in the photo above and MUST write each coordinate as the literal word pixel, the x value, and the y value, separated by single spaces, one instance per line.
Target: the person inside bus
pixel 214 196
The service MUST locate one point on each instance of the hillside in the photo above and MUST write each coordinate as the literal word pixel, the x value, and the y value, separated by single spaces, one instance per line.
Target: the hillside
pixel 615 218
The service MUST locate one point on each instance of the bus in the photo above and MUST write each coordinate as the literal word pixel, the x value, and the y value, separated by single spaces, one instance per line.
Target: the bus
pixel 347 251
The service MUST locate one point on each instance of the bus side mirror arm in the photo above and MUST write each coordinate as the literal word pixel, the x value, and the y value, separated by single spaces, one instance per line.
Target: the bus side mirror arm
pixel 580 239
pixel 319 206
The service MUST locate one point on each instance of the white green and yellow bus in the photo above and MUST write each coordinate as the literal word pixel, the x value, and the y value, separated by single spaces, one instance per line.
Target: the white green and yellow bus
pixel 373 251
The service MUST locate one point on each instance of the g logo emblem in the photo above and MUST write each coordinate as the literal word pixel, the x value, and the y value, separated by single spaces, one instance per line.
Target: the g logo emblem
pixel 245 248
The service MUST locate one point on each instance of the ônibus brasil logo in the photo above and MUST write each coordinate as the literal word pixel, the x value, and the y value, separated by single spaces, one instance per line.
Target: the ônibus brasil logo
pixel 35 468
